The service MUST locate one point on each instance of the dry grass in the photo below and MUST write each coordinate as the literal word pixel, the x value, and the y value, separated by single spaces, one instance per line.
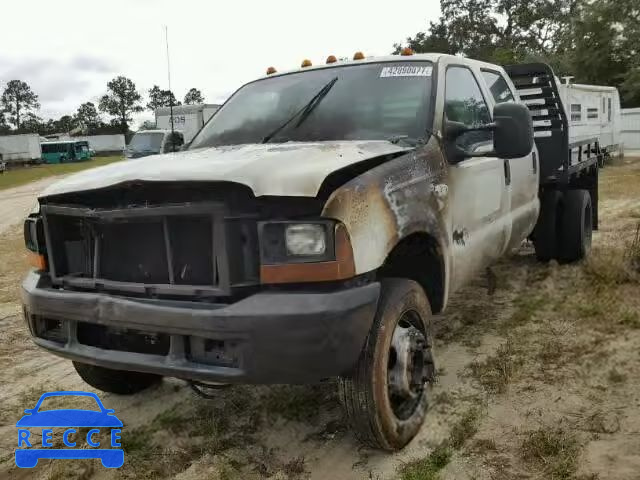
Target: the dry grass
pixel 553 452
pixel 495 372
pixel 23 175
pixel 428 468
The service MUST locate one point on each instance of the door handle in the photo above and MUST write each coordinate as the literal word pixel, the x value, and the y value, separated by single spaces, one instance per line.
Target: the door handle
pixel 507 173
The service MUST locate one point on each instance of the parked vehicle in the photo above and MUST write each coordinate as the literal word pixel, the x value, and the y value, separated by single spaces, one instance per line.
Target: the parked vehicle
pixel 311 230
pixel 593 113
pixel 23 148
pixel 188 119
pixel 153 142
pixel 65 151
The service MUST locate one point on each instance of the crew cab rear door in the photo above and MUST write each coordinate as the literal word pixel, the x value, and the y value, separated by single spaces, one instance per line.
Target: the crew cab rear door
pixel 479 200
pixel 522 184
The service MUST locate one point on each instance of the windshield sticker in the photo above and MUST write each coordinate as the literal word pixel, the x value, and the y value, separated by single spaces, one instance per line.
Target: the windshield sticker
pixel 406 71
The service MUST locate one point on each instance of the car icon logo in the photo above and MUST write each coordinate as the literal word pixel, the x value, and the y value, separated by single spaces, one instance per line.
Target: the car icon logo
pixel 29 451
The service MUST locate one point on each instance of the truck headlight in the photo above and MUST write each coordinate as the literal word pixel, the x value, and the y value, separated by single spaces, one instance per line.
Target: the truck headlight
pixel 285 241
pixel 308 251
pixel 306 239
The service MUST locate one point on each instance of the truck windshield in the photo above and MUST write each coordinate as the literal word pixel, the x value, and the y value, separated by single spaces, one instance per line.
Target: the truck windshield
pixel 370 101
pixel 146 142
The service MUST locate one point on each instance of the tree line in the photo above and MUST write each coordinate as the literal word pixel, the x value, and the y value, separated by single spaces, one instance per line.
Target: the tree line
pixel 595 41
pixel 19 107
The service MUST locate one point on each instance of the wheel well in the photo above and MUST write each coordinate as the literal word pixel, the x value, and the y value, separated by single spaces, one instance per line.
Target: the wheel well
pixel 419 258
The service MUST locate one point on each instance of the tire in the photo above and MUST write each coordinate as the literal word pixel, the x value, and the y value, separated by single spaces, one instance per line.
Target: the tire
pixel 115 381
pixel 577 226
pixel 546 235
pixel 378 417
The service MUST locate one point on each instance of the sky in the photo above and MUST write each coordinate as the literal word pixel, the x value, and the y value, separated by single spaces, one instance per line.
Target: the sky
pixel 67 50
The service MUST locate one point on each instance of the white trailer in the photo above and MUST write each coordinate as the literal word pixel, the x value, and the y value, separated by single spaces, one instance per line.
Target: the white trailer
pixel 593 112
pixel 20 148
pixel 188 119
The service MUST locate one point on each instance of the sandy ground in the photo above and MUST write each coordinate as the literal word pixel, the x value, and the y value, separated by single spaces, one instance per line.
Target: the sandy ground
pixel 16 203
pixel 539 380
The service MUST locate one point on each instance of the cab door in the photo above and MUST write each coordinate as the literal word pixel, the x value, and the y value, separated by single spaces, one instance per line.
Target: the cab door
pixel 522 186
pixel 479 200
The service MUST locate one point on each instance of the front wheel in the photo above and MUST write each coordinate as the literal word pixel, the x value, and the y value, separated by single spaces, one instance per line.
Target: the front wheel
pixel 386 396
pixel 115 381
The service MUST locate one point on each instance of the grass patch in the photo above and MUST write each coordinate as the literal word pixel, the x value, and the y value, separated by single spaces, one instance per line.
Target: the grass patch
pixel 495 372
pixel 301 402
pixel 614 266
pixel 24 175
pixel 465 428
pixel 428 468
pixel 196 428
pixel 614 376
pixel 526 306
pixel 554 452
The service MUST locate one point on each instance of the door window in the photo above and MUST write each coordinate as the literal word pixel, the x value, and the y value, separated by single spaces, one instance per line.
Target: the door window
pixel 465 104
pixel 498 87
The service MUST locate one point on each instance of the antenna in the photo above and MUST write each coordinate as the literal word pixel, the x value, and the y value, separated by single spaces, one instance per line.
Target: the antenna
pixel 166 36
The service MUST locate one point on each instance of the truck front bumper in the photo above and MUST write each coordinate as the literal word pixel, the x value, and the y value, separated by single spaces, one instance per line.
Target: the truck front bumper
pixel 268 337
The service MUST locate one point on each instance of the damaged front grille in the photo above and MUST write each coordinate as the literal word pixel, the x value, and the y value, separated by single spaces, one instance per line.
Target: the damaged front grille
pixel 187 249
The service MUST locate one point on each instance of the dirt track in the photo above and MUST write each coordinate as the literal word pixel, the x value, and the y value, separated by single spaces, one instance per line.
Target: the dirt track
pixel 15 203
pixel 539 380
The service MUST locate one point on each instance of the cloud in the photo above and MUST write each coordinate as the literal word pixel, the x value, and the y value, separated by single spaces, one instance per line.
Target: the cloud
pixel 91 64
pixel 59 83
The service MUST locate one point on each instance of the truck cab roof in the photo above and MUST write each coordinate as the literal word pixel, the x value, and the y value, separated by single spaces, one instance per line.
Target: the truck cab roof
pixel 416 57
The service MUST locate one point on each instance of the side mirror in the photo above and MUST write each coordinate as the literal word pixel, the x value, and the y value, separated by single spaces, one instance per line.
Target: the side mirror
pixel 513 133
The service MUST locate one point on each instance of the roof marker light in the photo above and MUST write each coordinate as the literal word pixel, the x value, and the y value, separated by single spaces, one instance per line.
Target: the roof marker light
pixel 358 56
pixel 271 70
pixel 306 63
pixel 331 59
pixel 406 52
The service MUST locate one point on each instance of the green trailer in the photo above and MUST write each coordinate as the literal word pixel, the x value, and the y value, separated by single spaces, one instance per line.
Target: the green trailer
pixel 65 151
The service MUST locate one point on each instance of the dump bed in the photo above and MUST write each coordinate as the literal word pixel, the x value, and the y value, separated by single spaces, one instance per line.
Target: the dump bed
pixel 561 158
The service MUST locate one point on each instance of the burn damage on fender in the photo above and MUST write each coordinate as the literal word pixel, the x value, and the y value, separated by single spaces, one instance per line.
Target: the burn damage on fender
pixel 391 201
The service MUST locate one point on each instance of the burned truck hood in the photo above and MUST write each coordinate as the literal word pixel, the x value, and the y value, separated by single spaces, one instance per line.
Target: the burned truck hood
pixel 290 169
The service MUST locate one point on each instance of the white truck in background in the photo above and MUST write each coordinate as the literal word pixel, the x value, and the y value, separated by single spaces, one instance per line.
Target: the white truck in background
pixel 188 119
pixel 24 148
pixel 187 122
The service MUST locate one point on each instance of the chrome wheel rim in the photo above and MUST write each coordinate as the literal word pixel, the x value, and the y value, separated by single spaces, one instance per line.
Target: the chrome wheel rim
pixel 410 365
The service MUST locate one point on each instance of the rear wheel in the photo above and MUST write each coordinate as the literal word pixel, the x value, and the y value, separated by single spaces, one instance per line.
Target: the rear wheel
pixel 386 396
pixel 115 381
pixel 577 226
pixel 546 236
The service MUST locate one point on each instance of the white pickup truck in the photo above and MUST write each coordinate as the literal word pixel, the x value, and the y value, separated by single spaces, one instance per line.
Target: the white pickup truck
pixel 310 230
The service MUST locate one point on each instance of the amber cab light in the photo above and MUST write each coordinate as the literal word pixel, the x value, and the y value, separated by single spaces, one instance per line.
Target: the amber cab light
pixel 406 52
pixel 331 59
pixel 271 70
pixel 306 63
pixel 358 56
